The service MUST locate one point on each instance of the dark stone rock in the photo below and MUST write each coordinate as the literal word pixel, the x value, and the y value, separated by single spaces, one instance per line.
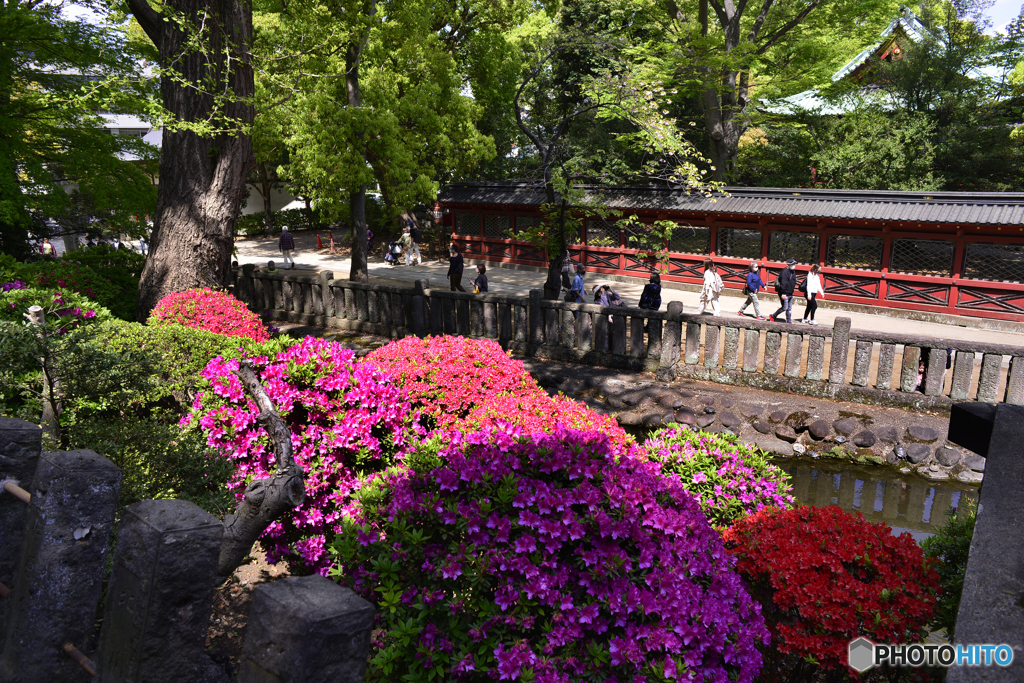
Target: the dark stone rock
pixel 888 433
pixel 705 421
pixel 678 402
pixel 706 400
pixel 728 403
pixel 762 426
pixel 892 458
pixel 846 426
pixel 918 452
pixel 632 398
pixel 629 419
pixel 615 401
pixel 668 400
pixel 786 433
pixel 975 462
pixel 819 429
pixel 947 457
pixel 653 420
pixel 573 385
pixel 709 410
pixel 864 439
pixel 717 429
pixel 730 419
pixel 685 393
pixel 778 415
pixel 775 446
pixel 686 416
pixel 750 411
pixel 920 433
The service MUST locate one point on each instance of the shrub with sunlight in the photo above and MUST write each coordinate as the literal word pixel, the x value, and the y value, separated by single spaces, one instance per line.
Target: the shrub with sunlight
pixel 205 309
pixel 545 557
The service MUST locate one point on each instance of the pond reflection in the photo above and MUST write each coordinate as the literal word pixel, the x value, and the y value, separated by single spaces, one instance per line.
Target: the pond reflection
pixel 904 502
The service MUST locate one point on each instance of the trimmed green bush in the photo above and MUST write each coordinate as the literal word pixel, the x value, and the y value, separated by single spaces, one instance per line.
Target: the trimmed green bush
pixel 950 546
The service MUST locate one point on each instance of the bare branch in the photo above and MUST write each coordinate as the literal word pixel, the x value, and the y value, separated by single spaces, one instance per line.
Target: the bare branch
pixel 787 27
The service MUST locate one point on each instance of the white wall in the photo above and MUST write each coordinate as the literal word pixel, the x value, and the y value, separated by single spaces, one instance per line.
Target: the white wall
pixel 279 199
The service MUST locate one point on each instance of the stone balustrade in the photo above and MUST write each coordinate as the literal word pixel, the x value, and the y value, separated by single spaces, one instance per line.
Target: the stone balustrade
pixel 829 362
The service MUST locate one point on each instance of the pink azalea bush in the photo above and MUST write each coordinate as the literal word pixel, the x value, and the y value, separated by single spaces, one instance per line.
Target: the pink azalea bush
pixel 728 479
pixel 556 557
pixel 449 376
pixel 345 418
pixel 205 309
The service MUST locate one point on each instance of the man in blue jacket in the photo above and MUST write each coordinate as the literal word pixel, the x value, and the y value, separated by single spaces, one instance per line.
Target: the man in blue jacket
pixel 754 284
pixel 785 284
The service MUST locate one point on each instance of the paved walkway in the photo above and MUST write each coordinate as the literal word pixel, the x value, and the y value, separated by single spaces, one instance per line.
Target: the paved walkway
pixel 520 282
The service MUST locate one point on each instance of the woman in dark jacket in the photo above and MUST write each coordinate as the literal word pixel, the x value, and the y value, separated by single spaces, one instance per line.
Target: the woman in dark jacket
pixel 481 279
pixel 455 266
pixel 650 298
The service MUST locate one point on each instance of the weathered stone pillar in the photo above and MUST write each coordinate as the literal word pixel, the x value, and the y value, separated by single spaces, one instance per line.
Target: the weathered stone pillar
pixel 535 317
pixel 490 320
pixel 711 337
pixel 476 319
pixel 772 352
pixel 160 593
pixel 325 292
pixel 373 306
pixel 462 315
pixel 988 381
pixel 731 350
pixel 288 293
pixel 815 357
pixel 794 354
pixel 908 376
pixel 504 323
pixel 420 316
pixel 521 322
pixel 963 368
pixel 751 350
pixel 692 343
pixel 567 330
pixel 450 326
pixel 990 607
pixel 385 308
pixel 350 303
pixel 654 338
pixel 862 364
pixel 585 331
pixel 552 321
pixel 362 306
pixel 60 569
pixel 934 379
pixel 840 351
pixel 20 447
pixel 602 334
pixel 306 630
pixel 636 337
pixel 619 335
pixel 1015 382
pixel 886 359
pixel 672 338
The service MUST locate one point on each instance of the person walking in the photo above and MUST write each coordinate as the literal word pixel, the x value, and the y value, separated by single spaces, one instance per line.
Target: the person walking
pixel 754 284
pixel 813 290
pixel 406 241
pixel 480 281
pixel 576 295
pixel 785 283
pixel 417 237
pixel 46 247
pixel 566 271
pixel 712 288
pixel 455 267
pixel 286 243
pixel 650 298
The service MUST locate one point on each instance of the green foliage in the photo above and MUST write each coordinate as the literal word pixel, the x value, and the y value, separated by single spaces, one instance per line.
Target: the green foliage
pixel 15 303
pixel 951 546
pixel 253 224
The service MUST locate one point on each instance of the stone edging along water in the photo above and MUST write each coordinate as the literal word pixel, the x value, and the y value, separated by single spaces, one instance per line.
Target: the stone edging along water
pixel 824 362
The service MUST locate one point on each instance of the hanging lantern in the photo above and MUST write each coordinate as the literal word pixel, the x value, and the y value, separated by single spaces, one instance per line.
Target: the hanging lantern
pixel 437 212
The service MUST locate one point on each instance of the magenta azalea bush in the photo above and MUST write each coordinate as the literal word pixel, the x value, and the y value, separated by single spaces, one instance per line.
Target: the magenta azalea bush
pixel 345 419
pixel 729 480
pixel 548 558
pixel 208 310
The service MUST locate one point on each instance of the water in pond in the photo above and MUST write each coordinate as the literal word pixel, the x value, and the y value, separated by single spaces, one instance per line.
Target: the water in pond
pixel 904 502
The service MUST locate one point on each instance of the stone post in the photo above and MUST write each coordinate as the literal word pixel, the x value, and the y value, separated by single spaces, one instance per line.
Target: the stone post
pixel 654 338
pixel 794 354
pixel 772 352
pixel 908 377
pixel 448 305
pixel 1015 381
pixel 363 305
pixel 325 292
pixel 711 337
pixel 420 316
pixel 567 330
pixel 731 349
pixel 462 316
pixel 840 351
pixel 521 323
pixel 350 303
pixel 934 380
pixel 535 318
pixel 476 319
pixel 490 320
pixel 602 337
pixel 552 321
pixel 751 349
pixel 886 359
pixel 671 339
pixel 20 446
pixel 619 335
pixel 60 569
pixel 963 368
pixel 692 343
pixel 306 630
pixel 636 337
pixel 988 381
pixel 373 306
pixel 160 593
pixel 862 364
pixel 990 607
pixel 585 332
pixel 504 323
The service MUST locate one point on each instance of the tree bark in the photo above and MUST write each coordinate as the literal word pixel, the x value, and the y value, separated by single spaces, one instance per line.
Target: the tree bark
pixel 265 500
pixel 202 177
pixel 267 186
pixel 359 270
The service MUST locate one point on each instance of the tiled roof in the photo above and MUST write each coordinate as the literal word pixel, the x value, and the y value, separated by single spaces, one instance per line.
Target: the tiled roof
pixel 975 208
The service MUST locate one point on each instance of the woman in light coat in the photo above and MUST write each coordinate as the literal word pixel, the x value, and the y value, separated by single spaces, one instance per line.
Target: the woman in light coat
pixel 712 288
pixel 814 290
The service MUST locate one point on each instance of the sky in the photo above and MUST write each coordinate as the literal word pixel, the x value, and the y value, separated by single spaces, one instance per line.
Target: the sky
pixel 1003 12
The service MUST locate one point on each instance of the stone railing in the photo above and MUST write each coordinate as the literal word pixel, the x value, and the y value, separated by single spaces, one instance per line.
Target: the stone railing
pixel 837 363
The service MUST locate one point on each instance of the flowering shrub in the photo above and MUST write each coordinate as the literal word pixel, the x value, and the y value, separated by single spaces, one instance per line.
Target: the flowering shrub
pixel 64 273
pixel 61 306
pixel 728 479
pixel 344 419
pixel 825 577
pixel 448 376
pixel 537 412
pixel 205 309
pixel 544 557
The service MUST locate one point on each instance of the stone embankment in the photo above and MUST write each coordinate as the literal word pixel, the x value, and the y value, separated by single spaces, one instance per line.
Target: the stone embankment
pixel 781 424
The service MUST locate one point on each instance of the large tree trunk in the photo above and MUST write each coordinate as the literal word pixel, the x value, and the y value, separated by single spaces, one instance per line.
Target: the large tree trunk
pixel 202 177
pixel 359 270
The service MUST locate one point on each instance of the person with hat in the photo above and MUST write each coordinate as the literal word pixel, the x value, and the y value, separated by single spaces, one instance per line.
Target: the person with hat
pixel 785 284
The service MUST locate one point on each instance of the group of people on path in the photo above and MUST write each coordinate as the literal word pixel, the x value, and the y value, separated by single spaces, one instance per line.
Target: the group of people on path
pixel 456 266
pixel 604 295
pixel 786 286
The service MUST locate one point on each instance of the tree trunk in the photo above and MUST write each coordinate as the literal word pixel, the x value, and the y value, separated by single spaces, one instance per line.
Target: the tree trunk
pixel 202 177
pixel 359 271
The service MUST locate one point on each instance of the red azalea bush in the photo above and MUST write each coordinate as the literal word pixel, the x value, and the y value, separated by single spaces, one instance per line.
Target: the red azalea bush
pixel 825 577
pixel 544 557
pixel 449 376
pixel 345 418
pixel 205 309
